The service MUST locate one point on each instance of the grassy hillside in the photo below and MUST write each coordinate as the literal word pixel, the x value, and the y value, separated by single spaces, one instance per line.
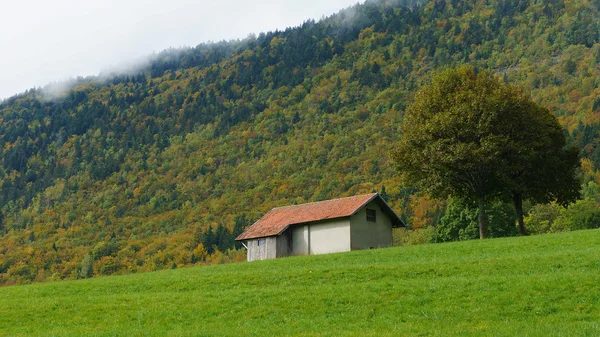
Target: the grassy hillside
pixel 127 174
pixel 529 286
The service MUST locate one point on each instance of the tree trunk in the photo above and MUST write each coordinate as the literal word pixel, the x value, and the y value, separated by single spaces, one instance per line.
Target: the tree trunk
pixel 483 231
pixel 518 201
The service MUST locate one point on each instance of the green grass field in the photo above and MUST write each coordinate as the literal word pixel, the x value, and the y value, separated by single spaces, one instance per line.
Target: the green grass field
pixel 530 286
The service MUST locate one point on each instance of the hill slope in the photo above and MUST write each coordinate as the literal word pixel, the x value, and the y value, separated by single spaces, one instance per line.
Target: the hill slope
pixel 529 286
pixel 128 174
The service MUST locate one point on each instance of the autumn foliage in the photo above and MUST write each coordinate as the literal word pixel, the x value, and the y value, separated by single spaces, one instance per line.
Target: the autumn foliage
pixel 124 174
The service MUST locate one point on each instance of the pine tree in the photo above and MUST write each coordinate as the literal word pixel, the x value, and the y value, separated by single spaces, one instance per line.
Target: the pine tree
pixel 209 240
pixel 223 238
pixel 239 225
pixel 383 193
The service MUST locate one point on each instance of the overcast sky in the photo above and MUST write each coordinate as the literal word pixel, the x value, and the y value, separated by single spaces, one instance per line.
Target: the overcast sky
pixel 45 41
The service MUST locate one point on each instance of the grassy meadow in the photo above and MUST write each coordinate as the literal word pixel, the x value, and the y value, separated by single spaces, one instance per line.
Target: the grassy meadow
pixel 528 286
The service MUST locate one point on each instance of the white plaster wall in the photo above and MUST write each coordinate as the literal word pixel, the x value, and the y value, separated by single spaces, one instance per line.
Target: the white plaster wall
pixel 330 236
pixel 366 234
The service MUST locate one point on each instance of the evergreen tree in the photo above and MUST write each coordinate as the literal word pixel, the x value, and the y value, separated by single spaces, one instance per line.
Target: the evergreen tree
pixel 239 225
pixel 384 194
pixel 209 240
pixel 223 238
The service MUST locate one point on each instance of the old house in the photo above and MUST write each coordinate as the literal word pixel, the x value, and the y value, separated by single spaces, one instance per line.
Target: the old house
pixel 330 226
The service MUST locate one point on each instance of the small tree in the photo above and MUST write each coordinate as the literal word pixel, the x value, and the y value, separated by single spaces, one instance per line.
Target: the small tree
pixel 209 240
pixel 199 253
pixel 384 195
pixel 239 225
pixel 223 238
pixel 87 267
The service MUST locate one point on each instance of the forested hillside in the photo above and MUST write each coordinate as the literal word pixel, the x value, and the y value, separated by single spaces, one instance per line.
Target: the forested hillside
pixel 158 169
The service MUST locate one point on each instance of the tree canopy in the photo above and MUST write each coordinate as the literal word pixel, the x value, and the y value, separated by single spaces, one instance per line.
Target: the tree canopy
pixel 544 169
pixel 472 136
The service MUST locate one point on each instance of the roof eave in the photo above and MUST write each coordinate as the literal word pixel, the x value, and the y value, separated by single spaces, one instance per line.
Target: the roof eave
pixel 240 238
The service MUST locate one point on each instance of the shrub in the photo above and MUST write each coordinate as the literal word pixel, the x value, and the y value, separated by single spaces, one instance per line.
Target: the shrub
pixel 540 218
pixel 583 214
pixel 21 272
pixel 407 237
pixel 460 222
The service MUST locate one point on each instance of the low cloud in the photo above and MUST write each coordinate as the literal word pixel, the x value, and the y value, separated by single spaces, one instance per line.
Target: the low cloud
pixel 68 38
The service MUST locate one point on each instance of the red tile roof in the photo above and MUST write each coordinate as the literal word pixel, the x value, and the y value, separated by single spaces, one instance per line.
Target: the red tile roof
pixel 278 219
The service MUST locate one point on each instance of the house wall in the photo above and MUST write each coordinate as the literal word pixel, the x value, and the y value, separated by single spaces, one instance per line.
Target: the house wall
pixel 300 243
pixel 266 251
pixel 367 234
pixel 284 244
pixel 330 236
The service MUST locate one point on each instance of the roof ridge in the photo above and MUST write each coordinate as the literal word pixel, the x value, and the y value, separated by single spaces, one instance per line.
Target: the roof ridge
pixel 316 202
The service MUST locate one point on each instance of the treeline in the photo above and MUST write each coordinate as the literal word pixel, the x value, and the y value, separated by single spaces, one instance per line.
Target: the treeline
pixel 147 163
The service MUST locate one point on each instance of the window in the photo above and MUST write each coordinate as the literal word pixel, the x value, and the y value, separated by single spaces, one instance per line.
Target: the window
pixel 261 242
pixel 371 215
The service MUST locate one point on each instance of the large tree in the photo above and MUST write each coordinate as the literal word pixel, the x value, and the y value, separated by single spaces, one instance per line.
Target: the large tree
pixel 472 136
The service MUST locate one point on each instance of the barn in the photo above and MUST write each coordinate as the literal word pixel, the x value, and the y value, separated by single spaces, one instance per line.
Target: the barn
pixel 330 226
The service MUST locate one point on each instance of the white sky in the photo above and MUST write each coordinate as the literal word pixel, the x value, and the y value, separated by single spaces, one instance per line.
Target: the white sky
pixel 44 41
